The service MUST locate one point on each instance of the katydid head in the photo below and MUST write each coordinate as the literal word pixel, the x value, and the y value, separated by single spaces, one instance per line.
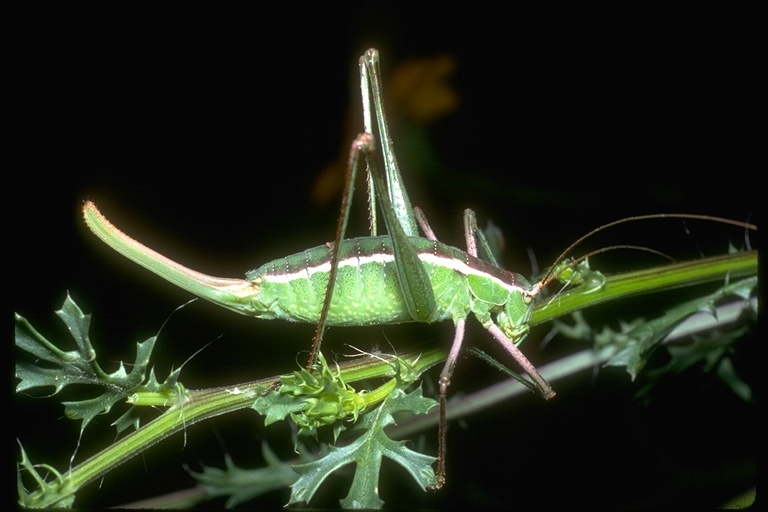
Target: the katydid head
pixel 513 319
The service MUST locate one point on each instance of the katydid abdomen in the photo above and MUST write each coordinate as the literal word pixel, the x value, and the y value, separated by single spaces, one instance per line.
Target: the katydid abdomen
pixel 367 288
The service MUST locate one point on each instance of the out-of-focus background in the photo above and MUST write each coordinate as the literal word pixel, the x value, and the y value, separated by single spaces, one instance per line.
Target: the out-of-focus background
pixel 222 146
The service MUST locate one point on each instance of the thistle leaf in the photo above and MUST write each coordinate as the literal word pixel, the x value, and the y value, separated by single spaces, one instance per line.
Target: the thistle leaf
pixel 635 342
pixel 52 486
pixel 80 367
pixel 366 452
pixel 242 485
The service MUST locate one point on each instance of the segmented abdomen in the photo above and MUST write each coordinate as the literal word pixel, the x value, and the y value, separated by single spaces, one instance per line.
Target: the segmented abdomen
pixel 367 289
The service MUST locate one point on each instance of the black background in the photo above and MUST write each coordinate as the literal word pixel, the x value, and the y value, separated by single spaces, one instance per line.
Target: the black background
pixel 202 137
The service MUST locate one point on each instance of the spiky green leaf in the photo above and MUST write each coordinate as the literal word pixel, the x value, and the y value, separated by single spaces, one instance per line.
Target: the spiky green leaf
pixel 636 341
pixel 366 452
pixel 52 487
pixel 242 485
pixel 63 368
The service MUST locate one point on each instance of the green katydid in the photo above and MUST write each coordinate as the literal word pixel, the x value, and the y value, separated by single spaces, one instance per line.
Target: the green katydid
pixel 378 279
pixel 400 277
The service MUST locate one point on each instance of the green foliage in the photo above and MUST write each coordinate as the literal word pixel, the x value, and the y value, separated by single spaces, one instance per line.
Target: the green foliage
pixel 242 485
pixel 713 352
pixel 322 398
pixel 80 367
pixel 45 489
pixel 312 400
pixel 633 344
pixel 366 452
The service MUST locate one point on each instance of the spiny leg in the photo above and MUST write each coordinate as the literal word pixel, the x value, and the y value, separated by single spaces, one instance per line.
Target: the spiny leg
pixel 470 227
pixel 445 381
pixel 363 143
pixel 445 375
